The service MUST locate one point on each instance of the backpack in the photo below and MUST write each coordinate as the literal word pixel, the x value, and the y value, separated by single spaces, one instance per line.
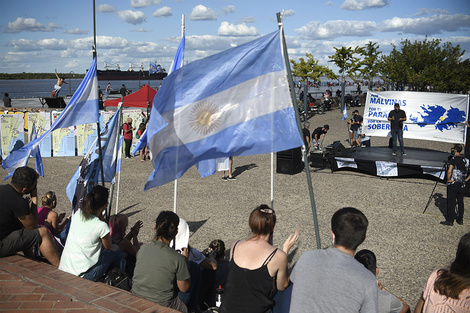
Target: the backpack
pixel 118 279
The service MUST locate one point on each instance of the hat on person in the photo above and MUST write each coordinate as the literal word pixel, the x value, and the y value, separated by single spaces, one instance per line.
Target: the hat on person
pixel 355 111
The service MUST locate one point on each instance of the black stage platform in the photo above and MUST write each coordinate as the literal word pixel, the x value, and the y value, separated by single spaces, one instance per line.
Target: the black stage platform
pixel 379 161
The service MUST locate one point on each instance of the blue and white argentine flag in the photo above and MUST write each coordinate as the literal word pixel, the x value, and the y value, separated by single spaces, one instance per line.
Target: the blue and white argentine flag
pixel 82 109
pixel 233 103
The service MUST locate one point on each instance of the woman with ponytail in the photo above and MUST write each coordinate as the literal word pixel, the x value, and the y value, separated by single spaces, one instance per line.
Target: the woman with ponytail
pixel 448 290
pixel 89 252
pixel 160 271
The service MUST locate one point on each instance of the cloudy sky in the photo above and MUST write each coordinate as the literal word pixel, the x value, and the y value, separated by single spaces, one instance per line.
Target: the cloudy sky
pixel 40 35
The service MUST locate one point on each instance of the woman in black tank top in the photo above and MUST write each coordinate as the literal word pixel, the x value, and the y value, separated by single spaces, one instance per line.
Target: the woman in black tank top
pixel 257 269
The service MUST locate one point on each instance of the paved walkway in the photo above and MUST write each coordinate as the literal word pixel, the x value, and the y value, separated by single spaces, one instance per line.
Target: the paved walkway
pixel 29 286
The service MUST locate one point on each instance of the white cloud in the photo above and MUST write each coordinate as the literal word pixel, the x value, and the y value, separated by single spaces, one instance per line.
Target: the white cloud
pixel 356 5
pixel 30 25
pixel 106 8
pixel 163 11
pixel 332 29
pixel 228 9
pixel 329 3
pixel 139 30
pixel 228 29
pixel 144 3
pixel 248 20
pixel 71 64
pixel 423 12
pixel 76 31
pixel 288 13
pixel 202 13
pixel 435 24
pixel 132 17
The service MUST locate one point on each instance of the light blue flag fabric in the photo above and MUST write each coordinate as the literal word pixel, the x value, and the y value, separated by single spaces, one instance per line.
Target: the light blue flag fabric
pixel 88 173
pixel 140 144
pixel 82 109
pixel 10 168
pixel 179 56
pixel 154 68
pixel 36 153
pixel 345 112
pixel 233 103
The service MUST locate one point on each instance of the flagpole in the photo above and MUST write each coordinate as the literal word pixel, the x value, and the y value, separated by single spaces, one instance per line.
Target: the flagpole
pixel 98 124
pixel 116 151
pixel 272 180
pixel 294 101
pixel 175 192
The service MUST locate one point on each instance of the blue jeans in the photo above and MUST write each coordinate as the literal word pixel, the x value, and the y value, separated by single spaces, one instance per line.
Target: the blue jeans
pixel 397 134
pixel 108 259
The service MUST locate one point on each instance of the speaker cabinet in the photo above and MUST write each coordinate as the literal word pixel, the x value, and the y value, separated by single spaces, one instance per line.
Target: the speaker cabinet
pixel 337 149
pixel 289 161
pixel 317 160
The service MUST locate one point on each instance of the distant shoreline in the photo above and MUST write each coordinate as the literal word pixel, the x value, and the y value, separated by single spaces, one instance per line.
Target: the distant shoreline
pixel 23 76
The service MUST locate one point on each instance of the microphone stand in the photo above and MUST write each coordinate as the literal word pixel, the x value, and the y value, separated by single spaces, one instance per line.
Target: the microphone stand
pixel 444 167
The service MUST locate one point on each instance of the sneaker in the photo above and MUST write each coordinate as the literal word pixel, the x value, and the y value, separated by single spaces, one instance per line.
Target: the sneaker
pixel 394 153
pixel 447 223
pixel 460 222
pixel 224 179
pixel 126 157
pixel 232 178
pixel 403 154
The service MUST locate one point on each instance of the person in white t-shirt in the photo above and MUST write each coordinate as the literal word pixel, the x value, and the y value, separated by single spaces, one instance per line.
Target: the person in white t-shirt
pixel 89 252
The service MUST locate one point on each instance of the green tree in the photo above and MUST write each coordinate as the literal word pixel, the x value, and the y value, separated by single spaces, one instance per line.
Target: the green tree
pixel 309 69
pixel 425 64
pixel 370 61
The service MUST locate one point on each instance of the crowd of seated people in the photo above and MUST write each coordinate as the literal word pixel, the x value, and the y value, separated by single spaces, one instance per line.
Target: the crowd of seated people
pixel 178 276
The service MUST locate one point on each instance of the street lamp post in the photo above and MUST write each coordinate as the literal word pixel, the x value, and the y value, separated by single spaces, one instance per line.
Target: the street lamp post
pixel 72 74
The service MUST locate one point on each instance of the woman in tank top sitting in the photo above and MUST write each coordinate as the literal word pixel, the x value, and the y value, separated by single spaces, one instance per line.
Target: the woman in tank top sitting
pixel 257 269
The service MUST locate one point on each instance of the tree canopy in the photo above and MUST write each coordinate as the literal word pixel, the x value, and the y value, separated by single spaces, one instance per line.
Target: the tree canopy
pixel 309 68
pixel 427 65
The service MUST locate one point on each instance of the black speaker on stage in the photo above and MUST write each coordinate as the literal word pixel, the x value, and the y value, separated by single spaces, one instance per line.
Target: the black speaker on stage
pixel 337 149
pixel 317 160
pixel 289 161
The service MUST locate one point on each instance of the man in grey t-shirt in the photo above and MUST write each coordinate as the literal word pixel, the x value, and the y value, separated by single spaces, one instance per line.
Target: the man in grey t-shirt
pixel 331 280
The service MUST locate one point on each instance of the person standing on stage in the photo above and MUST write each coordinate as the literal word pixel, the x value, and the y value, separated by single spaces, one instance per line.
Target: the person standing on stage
pixel 356 123
pixel 396 118
pixel 127 130
pixel 457 176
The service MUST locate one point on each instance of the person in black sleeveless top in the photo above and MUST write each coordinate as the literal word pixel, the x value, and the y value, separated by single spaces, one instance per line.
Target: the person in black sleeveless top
pixel 257 269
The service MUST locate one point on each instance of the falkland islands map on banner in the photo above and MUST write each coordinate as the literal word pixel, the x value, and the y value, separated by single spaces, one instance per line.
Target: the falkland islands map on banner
pixel 63 139
pixel 42 122
pixel 430 116
pixel 11 133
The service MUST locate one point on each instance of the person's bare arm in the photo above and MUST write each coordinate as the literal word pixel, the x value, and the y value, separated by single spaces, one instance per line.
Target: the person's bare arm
pixel 183 285
pixel 449 173
pixel 209 262
pixel 30 221
pixel 420 305
pixel 57 75
pixel 106 241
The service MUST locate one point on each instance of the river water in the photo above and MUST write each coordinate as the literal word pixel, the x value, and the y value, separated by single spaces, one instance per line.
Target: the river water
pixel 26 93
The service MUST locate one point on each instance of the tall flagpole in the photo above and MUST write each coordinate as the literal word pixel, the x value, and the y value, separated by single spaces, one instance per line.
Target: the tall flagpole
pixel 294 101
pixel 98 124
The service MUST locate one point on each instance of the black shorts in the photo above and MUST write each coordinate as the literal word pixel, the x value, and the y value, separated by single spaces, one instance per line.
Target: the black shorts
pixel 20 240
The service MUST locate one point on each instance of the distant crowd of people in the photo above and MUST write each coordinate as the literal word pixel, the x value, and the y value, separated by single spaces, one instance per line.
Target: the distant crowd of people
pixel 254 277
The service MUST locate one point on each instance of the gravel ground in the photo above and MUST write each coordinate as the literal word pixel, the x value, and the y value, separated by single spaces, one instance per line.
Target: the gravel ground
pixel 409 244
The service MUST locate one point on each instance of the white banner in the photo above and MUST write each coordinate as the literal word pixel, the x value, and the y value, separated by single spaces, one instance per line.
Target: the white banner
pixel 430 116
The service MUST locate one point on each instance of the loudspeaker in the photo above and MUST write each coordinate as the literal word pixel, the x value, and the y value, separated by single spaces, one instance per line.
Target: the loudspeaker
pixel 289 161
pixel 337 149
pixel 317 160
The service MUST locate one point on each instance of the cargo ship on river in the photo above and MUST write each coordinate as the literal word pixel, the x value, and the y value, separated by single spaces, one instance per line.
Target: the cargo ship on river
pixel 135 72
